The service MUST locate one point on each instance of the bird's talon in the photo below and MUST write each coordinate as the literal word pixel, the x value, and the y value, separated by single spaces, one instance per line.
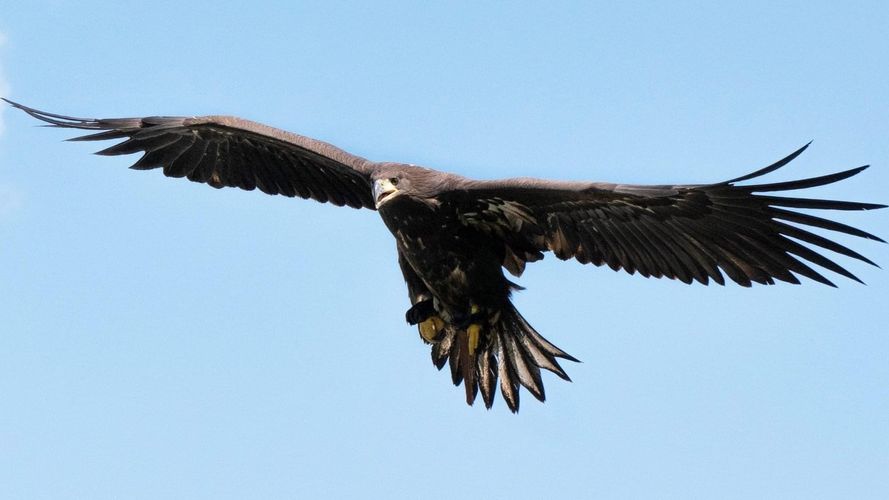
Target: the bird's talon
pixel 431 329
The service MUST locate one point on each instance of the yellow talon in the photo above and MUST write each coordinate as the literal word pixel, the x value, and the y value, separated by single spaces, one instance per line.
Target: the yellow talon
pixel 430 328
pixel 474 331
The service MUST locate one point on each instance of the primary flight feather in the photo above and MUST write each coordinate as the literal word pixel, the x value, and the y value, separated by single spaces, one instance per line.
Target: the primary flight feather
pixel 455 235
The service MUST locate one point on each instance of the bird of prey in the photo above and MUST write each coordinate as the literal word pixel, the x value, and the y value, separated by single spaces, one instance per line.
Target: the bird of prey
pixel 455 236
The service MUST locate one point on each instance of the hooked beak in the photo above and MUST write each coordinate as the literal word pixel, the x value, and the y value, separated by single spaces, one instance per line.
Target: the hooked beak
pixel 383 191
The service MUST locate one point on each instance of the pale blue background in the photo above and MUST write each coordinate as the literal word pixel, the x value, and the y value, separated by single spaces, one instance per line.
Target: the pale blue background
pixel 161 339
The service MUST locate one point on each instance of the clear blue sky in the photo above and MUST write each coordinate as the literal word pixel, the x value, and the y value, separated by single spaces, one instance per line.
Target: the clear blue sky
pixel 161 339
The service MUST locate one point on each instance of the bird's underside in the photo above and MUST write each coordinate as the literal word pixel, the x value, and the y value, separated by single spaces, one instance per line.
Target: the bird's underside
pixel 456 236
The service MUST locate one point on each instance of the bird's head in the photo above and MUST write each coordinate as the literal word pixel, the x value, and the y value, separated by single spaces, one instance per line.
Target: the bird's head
pixel 386 188
pixel 394 179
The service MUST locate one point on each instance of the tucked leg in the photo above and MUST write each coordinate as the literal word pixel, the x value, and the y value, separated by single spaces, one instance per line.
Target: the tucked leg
pixel 422 312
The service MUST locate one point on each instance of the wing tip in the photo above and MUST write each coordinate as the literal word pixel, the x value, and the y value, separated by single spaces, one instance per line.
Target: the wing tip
pixel 771 168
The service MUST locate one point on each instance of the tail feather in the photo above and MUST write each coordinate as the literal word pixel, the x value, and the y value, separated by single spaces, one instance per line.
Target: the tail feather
pixel 527 373
pixel 509 387
pixel 487 376
pixel 510 351
pixel 441 350
pixel 463 367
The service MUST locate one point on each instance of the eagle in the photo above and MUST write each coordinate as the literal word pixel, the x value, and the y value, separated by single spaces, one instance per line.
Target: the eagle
pixel 457 238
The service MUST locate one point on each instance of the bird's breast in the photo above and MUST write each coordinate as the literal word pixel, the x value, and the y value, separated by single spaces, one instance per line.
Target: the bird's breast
pixel 412 217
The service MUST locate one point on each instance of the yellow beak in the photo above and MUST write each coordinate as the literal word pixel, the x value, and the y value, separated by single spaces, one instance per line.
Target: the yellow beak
pixel 383 191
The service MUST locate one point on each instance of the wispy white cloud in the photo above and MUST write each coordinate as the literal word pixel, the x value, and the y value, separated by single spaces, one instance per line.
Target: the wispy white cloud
pixel 4 86
pixel 11 200
pixel 10 197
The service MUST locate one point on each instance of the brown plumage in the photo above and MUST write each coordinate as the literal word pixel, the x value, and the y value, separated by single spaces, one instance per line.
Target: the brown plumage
pixel 455 235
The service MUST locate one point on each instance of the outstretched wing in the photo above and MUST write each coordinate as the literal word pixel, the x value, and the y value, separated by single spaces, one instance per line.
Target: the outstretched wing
pixel 229 151
pixel 685 232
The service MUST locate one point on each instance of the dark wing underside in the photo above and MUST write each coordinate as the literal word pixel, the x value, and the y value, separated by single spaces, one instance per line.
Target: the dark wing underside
pixel 685 232
pixel 227 151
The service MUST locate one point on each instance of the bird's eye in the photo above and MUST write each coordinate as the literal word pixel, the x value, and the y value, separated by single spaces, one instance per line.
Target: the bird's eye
pixel 393 181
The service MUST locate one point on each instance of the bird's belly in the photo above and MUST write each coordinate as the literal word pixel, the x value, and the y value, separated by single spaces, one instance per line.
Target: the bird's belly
pixel 460 271
pixel 461 267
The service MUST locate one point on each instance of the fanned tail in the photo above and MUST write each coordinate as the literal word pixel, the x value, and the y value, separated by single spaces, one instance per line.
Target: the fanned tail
pixel 507 349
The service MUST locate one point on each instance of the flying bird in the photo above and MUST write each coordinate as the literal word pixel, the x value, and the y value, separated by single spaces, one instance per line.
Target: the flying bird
pixel 455 236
